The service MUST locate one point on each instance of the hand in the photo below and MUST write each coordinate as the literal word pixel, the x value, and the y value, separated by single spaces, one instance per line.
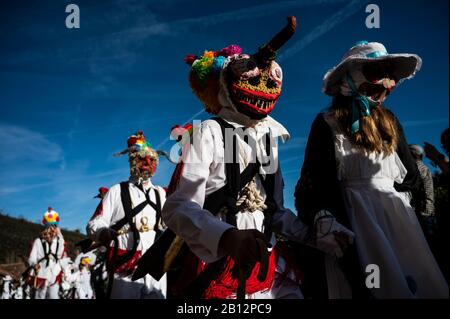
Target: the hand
pixel 57 231
pixel 331 237
pixel 106 235
pixel 37 267
pixel 431 152
pixel 246 247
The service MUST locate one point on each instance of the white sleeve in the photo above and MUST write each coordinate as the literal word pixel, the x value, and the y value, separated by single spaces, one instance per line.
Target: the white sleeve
pixel 285 222
pixel 183 211
pixel 36 252
pixel 104 218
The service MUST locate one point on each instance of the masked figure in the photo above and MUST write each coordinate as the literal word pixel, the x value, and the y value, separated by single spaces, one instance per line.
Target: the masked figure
pixel 83 288
pixel 127 221
pixel 358 171
pixel 44 259
pixel 227 196
pixel 18 293
pixel 6 288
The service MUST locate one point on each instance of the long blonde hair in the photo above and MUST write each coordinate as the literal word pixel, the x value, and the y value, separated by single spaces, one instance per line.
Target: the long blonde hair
pixel 377 132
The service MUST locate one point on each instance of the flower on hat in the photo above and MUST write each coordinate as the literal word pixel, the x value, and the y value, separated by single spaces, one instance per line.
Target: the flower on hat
pixel 138 143
pixel 205 74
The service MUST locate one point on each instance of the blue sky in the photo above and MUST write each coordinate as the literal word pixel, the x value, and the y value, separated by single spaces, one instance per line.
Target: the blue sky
pixel 69 98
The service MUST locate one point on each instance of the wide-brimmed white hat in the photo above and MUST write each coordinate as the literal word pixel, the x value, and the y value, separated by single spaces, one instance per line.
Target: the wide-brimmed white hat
pixel 405 64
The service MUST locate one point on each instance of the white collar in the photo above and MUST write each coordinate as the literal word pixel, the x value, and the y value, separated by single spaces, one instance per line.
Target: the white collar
pixel 261 126
pixel 138 181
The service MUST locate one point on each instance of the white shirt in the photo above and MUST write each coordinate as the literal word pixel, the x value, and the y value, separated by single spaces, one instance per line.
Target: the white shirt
pixel 204 173
pixel 113 211
pixel 52 270
pixel 84 289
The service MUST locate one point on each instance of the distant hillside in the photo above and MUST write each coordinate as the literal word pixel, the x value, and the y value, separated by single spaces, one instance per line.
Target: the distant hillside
pixel 17 234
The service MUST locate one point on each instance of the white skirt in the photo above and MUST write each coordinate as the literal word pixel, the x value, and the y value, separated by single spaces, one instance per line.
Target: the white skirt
pixel 388 235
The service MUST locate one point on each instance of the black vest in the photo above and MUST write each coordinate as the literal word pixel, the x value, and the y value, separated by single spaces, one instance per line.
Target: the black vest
pixel 235 181
pixel 152 262
pixel 128 219
pixel 227 196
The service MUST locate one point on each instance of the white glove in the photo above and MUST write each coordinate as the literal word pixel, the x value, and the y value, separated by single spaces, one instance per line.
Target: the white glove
pixel 331 237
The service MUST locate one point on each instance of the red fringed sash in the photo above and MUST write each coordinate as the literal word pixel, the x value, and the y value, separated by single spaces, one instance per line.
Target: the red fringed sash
pixel 226 285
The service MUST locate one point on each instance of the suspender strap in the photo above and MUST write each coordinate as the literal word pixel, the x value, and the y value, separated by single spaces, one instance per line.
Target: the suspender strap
pixel 46 248
pixel 156 206
pixel 158 210
pixel 232 171
pixel 236 181
pixel 269 186
pixel 136 210
pixel 215 201
pixel 55 255
pixel 48 251
pixel 129 214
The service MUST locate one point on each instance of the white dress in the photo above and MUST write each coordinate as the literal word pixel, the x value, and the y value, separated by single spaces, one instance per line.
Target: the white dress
pixel 387 233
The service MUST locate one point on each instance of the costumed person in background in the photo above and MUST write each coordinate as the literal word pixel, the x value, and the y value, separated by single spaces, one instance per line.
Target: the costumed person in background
pixel 228 199
pixel 6 287
pixel 357 170
pixel 99 276
pixel 83 287
pixel 18 291
pixel 441 183
pixel 102 191
pixel 69 279
pixel 97 254
pixel 438 159
pixel 26 288
pixel 99 272
pixel 45 256
pixel 423 199
pixel 129 221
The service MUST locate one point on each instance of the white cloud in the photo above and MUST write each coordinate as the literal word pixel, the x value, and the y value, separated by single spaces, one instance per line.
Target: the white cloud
pixel 20 144
pixel 336 19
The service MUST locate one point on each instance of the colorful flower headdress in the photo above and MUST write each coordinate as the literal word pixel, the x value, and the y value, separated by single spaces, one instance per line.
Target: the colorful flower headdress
pixel 205 74
pixel 206 69
pixel 137 143
pixel 51 218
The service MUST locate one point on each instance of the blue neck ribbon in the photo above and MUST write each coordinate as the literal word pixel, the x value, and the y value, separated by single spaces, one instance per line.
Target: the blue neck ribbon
pixel 361 105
